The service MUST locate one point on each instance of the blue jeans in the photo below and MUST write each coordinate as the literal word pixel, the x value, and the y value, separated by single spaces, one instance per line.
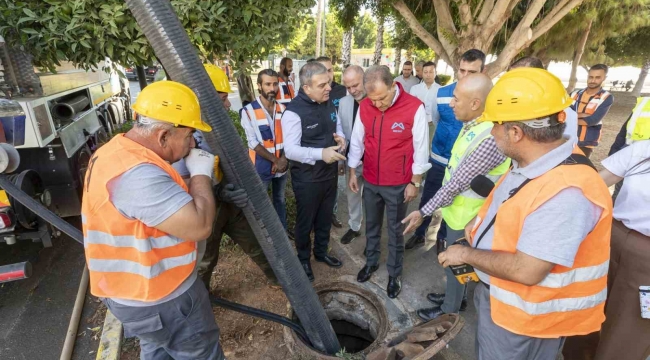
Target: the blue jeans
pixel 432 184
pixel 278 185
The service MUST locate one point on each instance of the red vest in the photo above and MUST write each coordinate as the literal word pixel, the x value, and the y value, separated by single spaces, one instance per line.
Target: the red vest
pixel 388 155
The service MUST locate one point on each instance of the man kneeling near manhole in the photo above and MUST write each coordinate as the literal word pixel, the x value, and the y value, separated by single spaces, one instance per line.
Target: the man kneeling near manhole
pixel 143 227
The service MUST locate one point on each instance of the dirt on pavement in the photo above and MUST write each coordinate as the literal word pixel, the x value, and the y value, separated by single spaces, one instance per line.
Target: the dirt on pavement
pixel 238 279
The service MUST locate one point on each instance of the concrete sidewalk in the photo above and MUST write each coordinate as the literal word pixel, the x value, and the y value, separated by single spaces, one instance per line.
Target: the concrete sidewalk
pixel 421 275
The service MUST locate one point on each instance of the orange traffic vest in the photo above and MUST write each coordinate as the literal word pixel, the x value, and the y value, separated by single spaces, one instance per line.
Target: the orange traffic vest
pixel 126 258
pixel 272 140
pixel 589 136
pixel 569 301
pixel 286 92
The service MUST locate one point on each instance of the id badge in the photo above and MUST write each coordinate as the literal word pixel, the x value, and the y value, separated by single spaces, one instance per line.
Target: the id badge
pixel 644 297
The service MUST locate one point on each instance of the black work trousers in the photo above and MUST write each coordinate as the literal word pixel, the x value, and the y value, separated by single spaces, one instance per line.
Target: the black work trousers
pixel 314 203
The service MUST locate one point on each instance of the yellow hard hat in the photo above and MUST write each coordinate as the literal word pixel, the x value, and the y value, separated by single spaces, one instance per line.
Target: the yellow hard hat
pixel 219 78
pixel 171 102
pixel 524 94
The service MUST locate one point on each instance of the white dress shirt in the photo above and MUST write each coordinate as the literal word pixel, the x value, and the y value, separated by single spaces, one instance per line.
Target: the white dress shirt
pixel 429 96
pixel 420 141
pixel 292 133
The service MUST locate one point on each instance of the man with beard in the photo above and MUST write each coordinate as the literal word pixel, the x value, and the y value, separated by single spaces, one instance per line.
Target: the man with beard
pixel 261 122
pixel 353 80
pixel 592 104
pixel 285 82
pixel 313 143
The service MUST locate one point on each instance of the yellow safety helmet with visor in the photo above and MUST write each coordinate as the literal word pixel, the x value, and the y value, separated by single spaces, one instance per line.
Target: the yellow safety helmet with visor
pixel 172 102
pixel 526 95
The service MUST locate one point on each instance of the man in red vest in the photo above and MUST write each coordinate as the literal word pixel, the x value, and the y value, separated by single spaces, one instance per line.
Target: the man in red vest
pixel 392 136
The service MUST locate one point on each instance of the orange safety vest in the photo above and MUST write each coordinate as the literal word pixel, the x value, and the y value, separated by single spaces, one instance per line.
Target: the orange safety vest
pixel 286 93
pixel 272 140
pixel 569 301
pixel 126 258
pixel 589 136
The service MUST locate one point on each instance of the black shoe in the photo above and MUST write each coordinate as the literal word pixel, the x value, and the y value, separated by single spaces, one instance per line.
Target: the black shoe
pixel 436 298
pixel 335 222
pixel 330 261
pixel 414 241
pixel 366 272
pixel 394 286
pixel 307 267
pixel 429 314
pixel 463 304
pixel 349 236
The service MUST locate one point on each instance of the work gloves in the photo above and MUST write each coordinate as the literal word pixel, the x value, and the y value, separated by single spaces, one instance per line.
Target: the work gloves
pixel 200 162
pixel 229 194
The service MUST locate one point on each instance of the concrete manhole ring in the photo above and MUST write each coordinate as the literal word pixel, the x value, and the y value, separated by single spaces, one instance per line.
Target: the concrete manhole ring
pixel 358 316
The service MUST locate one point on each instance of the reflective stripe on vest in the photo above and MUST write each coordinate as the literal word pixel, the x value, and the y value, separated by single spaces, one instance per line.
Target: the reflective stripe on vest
pixel 286 91
pixel 126 258
pixel 638 128
pixel 568 301
pixel 439 158
pixel 273 142
pixel 465 205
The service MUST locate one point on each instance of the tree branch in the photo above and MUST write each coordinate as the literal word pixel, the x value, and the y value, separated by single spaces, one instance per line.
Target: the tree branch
pixel 465 14
pixel 485 11
pixel 497 17
pixel 421 32
pixel 443 13
pixel 558 12
pixel 478 8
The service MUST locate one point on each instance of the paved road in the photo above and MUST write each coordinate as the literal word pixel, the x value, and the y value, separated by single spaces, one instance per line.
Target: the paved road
pixel 34 313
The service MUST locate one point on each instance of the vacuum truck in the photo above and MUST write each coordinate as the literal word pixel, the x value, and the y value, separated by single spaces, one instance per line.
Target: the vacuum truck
pixel 50 124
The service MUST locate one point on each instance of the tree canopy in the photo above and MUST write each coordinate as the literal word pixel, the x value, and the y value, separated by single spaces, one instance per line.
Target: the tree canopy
pixel 86 31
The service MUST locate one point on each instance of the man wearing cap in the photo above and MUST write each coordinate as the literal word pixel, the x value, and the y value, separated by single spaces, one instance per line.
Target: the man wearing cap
pixel 540 242
pixel 143 227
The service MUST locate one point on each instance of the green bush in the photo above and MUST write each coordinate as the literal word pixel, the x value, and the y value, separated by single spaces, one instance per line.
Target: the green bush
pixel 337 77
pixel 444 79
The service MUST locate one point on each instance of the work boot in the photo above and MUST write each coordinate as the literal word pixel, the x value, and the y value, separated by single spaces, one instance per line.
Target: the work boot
pixel 307 267
pixel 414 241
pixel 349 236
pixel 335 222
pixel 394 286
pixel 429 314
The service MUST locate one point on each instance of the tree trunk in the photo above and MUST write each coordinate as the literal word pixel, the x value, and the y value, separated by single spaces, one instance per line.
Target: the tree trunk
pixel 409 55
pixel 319 23
pixel 379 42
pixel 398 60
pixel 641 80
pixel 573 79
pixel 346 51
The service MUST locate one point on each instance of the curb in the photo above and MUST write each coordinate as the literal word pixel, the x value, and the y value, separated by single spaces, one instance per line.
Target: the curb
pixel 110 345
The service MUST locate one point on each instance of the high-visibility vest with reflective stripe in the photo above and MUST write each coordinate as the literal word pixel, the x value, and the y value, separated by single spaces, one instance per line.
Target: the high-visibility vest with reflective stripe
pixel 447 129
pixel 287 91
pixel 465 205
pixel 638 128
pixel 126 258
pixel 589 135
pixel 272 140
pixel 570 300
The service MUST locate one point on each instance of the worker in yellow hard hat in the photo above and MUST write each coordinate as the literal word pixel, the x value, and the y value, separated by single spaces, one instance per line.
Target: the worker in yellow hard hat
pixel 229 219
pixel 143 227
pixel 540 242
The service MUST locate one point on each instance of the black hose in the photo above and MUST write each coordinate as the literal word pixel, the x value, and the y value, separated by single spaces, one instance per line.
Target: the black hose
pixel 40 210
pixel 172 46
pixel 262 314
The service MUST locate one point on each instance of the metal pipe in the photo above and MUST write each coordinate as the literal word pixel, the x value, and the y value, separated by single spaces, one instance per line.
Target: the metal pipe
pixel 17 271
pixel 71 335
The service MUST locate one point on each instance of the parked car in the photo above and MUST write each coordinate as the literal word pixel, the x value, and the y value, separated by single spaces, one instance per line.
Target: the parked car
pixel 149 73
pixel 131 74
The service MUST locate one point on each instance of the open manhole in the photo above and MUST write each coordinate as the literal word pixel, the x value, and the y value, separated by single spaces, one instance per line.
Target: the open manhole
pixel 357 315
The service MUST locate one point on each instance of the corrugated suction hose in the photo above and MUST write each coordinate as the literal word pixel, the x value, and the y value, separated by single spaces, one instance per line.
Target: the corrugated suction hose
pixel 172 46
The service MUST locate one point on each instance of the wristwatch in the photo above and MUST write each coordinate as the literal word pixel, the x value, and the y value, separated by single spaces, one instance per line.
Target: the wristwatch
pixel 417 185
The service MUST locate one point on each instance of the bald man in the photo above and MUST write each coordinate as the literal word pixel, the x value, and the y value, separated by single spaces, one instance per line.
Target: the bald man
pixel 474 153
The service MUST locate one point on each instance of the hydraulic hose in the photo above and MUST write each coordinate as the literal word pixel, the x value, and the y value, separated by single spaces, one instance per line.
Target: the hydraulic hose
pixel 172 46
pixel 262 314
pixel 40 210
